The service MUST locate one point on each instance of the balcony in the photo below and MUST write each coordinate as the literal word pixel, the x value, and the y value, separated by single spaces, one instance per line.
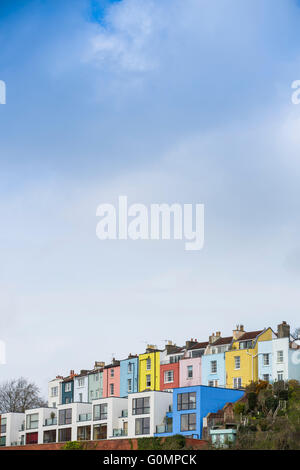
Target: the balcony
pixel 124 414
pixel 164 428
pixel 120 432
pixel 85 417
pixel 50 422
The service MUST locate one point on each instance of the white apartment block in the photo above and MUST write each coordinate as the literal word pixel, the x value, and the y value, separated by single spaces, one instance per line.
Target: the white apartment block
pixel 10 425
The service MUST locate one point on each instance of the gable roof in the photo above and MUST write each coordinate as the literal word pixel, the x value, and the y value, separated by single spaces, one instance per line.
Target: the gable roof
pixel 221 341
pixel 250 335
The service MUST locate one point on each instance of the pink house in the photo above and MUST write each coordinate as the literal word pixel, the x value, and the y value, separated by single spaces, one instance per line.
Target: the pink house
pixel 111 380
pixel 190 365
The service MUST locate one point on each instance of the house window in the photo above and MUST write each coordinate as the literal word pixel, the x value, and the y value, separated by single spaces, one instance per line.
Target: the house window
pixel 3 425
pixel 65 416
pixel 237 362
pixel 148 380
pixel 168 376
pixel 189 372
pixel 186 401
pixel 148 364
pixel 280 376
pixel 237 382
pixel 129 367
pixel 97 377
pixel 100 411
pixel 213 367
pixel 188 422
pixel 54 391
pixel 266 377
pixel 129 388
pixel 64 435
pixel 213 383
pixel 32 421
pixel 141 406
pixel 280 357
pixel 266 359
pixel 68 387
pixel 142 426
pixel 80 382
pixel 112 389
pixel 112 372
pixel 80 397
pixel 245 344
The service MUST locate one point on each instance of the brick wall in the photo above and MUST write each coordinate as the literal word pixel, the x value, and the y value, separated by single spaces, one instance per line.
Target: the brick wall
pixel 112 444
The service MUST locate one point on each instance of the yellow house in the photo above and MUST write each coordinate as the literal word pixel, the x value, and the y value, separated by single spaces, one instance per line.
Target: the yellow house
pixel 241 361
pixel 149 369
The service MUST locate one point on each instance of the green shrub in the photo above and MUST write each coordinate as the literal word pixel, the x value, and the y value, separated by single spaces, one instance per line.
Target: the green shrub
pixel 73 445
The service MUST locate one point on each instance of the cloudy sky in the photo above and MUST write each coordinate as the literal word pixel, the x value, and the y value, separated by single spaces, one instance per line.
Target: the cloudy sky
pixel 185 101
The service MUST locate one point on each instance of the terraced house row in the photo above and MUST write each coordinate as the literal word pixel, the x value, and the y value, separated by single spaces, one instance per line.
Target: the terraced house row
pixel 228 362
pixel 159 392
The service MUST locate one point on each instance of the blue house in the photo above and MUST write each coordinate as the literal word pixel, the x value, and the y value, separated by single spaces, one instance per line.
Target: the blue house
pixel 191 405
pixel 67 391
pixel 213 370
pixel 265 361
pixel 213 361
pixel 129 376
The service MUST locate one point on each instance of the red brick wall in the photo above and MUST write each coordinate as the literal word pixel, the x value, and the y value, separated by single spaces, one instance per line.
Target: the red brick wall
pixel 113 444
pixel 163 369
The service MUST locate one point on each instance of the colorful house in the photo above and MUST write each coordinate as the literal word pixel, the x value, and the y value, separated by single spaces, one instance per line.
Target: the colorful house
pixel 67 389
pixel 191 405
pixel 111 379
pixel 279 359
pixel 169 366
pixel 190 365
pixel 241 361
pixel 129 375
pixel 95 385
pixel 81 387
pixel 149 369
pixel 213 361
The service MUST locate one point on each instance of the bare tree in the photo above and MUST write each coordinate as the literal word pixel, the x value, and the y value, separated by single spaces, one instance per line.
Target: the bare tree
pixel 18 395
pixel 296 333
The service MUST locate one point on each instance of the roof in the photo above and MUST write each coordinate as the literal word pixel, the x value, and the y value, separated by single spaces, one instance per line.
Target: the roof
pixel 199 346
pixel 220 341
pixel 175 349
pixel 250 335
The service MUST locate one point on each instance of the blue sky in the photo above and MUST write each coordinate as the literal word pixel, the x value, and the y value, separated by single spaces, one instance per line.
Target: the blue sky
pixel 165 101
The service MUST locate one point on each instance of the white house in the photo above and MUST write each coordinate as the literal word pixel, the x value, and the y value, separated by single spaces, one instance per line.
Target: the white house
pixel 54 392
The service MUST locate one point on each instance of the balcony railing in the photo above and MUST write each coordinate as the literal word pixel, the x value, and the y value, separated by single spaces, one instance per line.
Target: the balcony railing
pixel 85 417
pixel 124 414
pixel 50 422
pixel 163 428
pixel 120 432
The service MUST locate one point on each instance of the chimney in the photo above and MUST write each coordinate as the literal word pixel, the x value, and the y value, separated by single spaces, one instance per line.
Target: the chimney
pixel 150 348
pixel 218 334
pixel 212 339
pixel 238 332
pixel 283 330
pixel 72 373
pixel 99 365
pixel 189 344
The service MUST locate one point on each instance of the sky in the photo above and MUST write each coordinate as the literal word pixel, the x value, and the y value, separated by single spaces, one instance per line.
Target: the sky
pixel 165 101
